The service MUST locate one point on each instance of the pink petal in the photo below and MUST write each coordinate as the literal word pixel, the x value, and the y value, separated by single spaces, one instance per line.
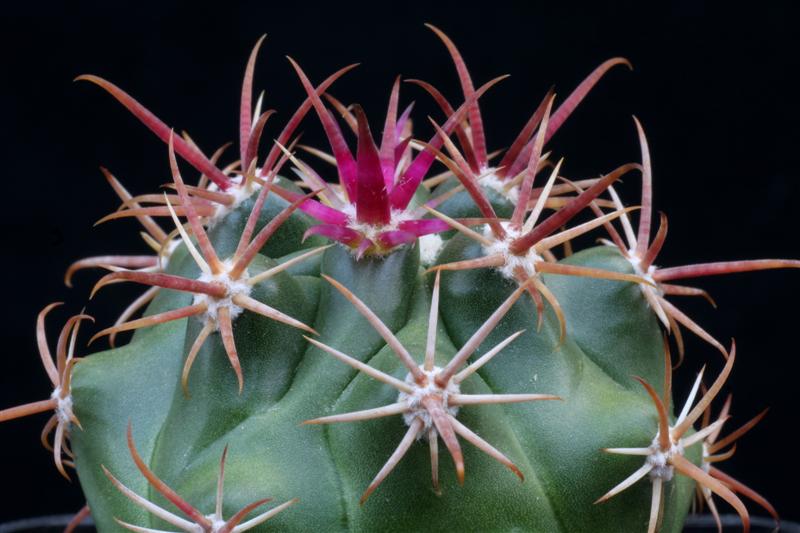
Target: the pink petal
pixel 372 203
pixel 363 246
pixel 399 150
pixel 390 239
pixel 319 211
pixel 402 121
pixel 341 234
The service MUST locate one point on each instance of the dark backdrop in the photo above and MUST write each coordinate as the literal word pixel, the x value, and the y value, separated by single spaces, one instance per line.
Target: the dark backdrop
pixel 712 87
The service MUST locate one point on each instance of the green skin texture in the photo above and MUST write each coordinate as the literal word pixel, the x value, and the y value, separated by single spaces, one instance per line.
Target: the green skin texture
pixel 612 335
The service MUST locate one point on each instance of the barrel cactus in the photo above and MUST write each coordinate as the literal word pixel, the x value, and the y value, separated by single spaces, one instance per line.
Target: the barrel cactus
pixel 308 348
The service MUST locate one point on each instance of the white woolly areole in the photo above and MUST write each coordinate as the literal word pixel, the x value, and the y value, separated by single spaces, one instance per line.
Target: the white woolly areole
pixel 237 192
pixel 636 262
pixel 372 231
pixel 414 400
pixel 658 460
pixel 217 523
pixel 233 288
pixel 429 248
pixel 63 407
pixel 492 181
pixel 512 261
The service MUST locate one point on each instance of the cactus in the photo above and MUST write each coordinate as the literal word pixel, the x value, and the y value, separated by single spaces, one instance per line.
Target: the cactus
pixel 314 342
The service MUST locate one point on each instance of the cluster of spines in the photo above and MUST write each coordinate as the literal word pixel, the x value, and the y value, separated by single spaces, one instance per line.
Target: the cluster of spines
pixel 195 520
pixel 430 397
pixel 370 211
pixel 665 454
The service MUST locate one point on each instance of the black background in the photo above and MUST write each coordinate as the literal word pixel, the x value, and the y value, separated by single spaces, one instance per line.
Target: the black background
pixel 713 87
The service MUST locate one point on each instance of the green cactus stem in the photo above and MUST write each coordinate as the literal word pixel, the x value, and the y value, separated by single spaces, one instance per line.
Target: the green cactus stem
pixel 419 290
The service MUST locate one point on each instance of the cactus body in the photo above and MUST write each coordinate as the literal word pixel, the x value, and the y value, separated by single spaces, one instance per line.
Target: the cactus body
pixel 360 390
pixel 288 381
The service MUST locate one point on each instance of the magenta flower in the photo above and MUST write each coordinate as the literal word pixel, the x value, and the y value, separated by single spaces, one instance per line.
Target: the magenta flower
pixel 372 210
